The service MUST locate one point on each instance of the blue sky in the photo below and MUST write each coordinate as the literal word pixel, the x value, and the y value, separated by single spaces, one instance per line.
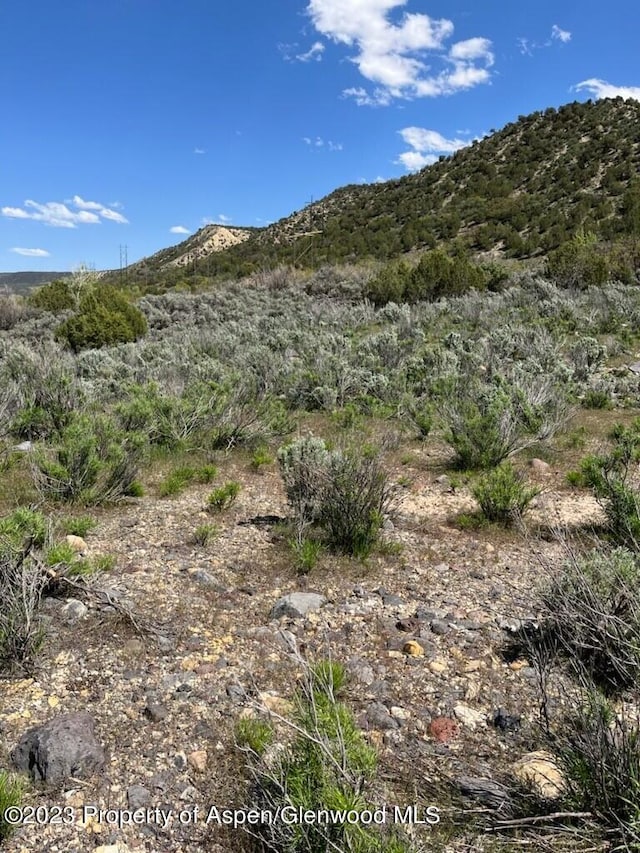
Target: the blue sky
pixel 134 122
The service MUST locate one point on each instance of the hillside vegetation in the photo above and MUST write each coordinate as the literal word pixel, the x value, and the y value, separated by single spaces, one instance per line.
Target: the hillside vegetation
pixel 358 536
pixel 520 192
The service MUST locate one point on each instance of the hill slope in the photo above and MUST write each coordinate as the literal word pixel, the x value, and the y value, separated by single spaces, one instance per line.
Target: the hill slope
pixel 520 192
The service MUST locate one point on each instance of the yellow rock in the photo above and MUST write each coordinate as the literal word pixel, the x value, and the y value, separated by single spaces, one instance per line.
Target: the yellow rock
pixel 438 666
pixel 76 543
pixel 413 649
pixel 540 770
pixel 53 701
pixel 276 704
pixel 198 760
pixel 517 665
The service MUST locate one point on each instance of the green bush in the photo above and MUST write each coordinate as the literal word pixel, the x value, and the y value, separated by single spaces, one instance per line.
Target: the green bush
pixel 55 297
pixel 93 463
pixel 105 317
pixel 11 793
pixel 79 525
pixel 487 421
pixel 205 533
pixel 591 615
pixel 327 766
pixel 23 527
pixel 345 492
pixel 610 477
pixel 260 457
pixel 503 495
pixel 436 275
pixel 355 498
pixel 306 554
pixel 597 749
pixel 176 481
pixel 303 465
pixel 223 497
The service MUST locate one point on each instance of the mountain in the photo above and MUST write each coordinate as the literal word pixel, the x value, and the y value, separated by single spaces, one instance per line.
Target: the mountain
pixel 190 252
pixel 20 282
pixel 520 192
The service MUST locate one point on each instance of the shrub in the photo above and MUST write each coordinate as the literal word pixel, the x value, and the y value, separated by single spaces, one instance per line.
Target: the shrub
pixel 345 492
pixel 93 463
pixel 260 457
pixel 176 481
pixel 503 495
pixel 487 421
pixel 303 465
pixel 306 553
pixel 22 582
pixel 23 527
pixel 610 477
pixel 598 751
pixel 55 297
pixel 355 498
pixel 591 614
pixel 205 533
pixel 105 317
pixel 79 525
pixel 327 766
pixel 223 497
pixel 11 792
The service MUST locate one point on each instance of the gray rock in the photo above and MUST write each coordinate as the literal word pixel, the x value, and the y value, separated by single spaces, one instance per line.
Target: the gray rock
pixel 23 447
pixel 635 368
pixel 74 611
pixel 63 747
pixel 440 627
pixel 379 717
pixel 297 604
pixel 156 711
pixel 138 797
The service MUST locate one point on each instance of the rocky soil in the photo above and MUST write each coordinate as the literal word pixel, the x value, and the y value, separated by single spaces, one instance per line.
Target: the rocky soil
pixel 420 627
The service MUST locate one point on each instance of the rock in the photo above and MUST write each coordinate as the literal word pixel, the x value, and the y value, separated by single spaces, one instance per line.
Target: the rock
pixel 439 627
pixel 443 729
pixel 63 747
pixel 379 717
pixel 470 717
pixel 635 368
pixel 540 770
pixel 491 794
pixel 413 649
pixel 112 848
pixel 506 722
pixel 198 760
pixel 74 611
pixel 23 447
pixel 362 672
pixel 297 604
pixel 156 712
pixel 438 666
pixel 539 466
pixel 77 544
pixel 138 797
pixel 408 625
pixel 276 704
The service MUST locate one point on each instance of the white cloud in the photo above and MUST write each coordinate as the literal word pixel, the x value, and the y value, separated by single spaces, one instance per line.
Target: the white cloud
pixel 199 151
pixel 561 35
pixel 179 229
pixel 224 219
pixel 319 142
pixel 602 89
pixel 425 147
pixel 69 214
pixel 315 52
pixel 393 56
pixel 31 253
